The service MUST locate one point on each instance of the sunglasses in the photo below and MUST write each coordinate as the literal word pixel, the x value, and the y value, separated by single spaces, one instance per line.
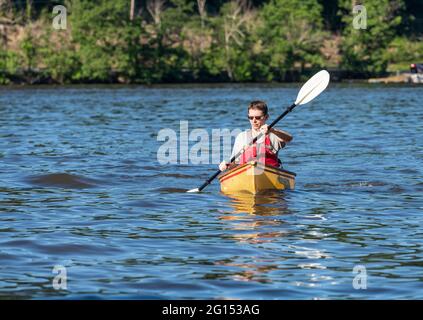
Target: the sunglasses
pixel 256 118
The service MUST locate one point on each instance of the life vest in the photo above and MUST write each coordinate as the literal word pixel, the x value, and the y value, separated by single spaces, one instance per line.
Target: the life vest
pixel 266 153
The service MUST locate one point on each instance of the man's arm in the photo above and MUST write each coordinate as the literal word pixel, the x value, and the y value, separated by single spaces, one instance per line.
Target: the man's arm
pixel 282 135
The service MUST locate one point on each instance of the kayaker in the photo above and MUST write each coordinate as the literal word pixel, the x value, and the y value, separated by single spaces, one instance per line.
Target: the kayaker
pixel 268 146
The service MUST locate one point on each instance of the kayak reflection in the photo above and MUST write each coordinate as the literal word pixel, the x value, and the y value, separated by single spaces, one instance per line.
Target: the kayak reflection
pixel 255 220
pixel 266 203
pixel 250 220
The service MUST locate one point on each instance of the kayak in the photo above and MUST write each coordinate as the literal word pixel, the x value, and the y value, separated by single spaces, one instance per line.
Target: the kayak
pixel 254 177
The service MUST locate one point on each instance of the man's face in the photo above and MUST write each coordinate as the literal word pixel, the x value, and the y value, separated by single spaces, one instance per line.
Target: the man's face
pixel 257 119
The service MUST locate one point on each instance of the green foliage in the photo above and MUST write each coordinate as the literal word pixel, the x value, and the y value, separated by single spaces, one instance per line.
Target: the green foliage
pixel 231 52
pixel 177 15
pixel 9 63
pixel 3 73
pixel 59 58
pixel 169 57
pixel 364 50
pixel 402 52
pixel 108 42
pixel 292 33
pixel 234 41
pixel 29 50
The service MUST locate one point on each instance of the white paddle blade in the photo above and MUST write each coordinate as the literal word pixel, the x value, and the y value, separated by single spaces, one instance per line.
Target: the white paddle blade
pixel 194 190
pixel 313 87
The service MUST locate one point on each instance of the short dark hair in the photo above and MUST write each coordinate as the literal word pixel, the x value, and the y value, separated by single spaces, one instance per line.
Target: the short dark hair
pixel 258 105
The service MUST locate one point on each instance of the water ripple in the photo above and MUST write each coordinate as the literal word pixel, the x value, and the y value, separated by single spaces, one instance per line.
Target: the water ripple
pixel 81 187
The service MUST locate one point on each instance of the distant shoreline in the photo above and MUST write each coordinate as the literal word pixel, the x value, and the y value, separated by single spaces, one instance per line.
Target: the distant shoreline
pixel 41 77
pixel 365 82
pixel 338 76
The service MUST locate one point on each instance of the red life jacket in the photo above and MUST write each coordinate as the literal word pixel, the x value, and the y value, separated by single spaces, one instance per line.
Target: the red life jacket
pixel 266 155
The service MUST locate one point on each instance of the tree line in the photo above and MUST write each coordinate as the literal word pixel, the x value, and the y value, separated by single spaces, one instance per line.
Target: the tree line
pixel 156 41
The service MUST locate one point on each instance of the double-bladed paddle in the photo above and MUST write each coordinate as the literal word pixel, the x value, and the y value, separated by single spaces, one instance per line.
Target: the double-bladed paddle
pixel 310 90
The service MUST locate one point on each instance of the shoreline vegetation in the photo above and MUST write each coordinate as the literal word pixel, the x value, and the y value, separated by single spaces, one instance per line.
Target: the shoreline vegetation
pixel 204 41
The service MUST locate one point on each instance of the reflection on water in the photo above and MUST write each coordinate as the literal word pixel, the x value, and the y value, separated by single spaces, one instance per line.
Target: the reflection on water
pixel 265 203
pixel 259 207
pixel 249 221
pixel 259 220
pixel 254 272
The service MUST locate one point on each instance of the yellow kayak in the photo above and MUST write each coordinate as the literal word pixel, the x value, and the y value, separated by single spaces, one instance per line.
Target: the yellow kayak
pixel 254 177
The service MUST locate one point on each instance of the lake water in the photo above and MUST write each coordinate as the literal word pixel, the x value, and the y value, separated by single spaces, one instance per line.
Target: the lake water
pixel 81 189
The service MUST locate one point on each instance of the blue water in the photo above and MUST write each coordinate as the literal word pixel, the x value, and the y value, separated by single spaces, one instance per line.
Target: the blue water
pixel 81 187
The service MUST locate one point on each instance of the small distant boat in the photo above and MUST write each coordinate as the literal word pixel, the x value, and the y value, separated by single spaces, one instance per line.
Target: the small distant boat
pixel 416 73
pixel 254 177
pixel 414 76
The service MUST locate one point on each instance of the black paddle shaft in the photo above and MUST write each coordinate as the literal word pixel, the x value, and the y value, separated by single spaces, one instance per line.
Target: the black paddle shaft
pixel 209 180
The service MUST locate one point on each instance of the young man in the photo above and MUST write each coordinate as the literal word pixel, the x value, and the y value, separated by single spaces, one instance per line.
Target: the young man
pixel 266 149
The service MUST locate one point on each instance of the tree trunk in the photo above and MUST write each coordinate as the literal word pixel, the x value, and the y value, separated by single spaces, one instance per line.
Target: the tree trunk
pixel 29 9
pixel 131 13
pixel 228 64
